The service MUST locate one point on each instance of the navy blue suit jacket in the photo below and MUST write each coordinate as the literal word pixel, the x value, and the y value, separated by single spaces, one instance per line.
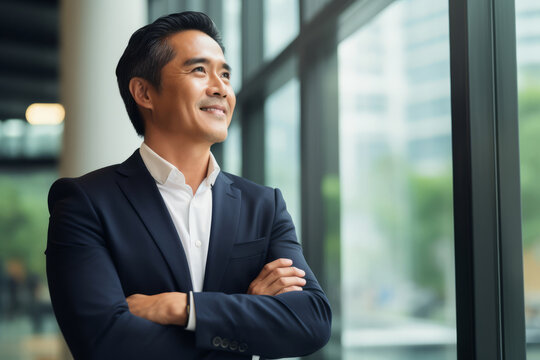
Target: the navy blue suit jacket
pixel 111 236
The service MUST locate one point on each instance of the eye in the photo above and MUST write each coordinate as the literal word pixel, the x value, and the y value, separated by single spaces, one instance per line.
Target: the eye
pixel 226 75
pixel 198 69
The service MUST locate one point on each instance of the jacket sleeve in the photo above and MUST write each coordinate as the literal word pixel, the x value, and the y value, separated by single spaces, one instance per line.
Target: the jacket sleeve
pixel 292 324
pixel 86 293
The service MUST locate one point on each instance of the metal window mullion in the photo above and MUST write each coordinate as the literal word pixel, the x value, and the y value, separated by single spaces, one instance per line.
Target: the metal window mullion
pixel 319 131
pixel 251 105
pixel 486 183
pixel 509 193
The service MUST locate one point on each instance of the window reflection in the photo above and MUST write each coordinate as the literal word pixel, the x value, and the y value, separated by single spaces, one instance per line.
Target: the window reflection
pixel 232 149
pixel 396 185
pixel 232 39
pixel 282 149
pixel 280 25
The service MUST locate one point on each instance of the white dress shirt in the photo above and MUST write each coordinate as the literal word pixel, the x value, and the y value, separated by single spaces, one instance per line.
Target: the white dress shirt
pixel 191 213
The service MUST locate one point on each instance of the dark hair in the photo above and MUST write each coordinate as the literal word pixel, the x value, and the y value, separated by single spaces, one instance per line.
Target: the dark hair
pixel 148 52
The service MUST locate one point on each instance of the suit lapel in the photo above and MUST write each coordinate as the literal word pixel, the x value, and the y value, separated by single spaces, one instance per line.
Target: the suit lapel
pixel 140 189
pixel 225 215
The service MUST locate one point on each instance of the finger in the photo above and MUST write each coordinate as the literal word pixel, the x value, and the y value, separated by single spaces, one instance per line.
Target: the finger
pixel 272 288
pixel 271 266
pixel 285 282
pixel 282 272
pixel 289 288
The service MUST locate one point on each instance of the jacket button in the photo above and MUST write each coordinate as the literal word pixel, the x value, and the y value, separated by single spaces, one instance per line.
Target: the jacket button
pixel 216 341
pixel 224 343
pixel 233 345
pixel 242 347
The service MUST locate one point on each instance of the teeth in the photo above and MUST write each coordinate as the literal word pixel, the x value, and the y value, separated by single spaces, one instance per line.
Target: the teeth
pixel 211 109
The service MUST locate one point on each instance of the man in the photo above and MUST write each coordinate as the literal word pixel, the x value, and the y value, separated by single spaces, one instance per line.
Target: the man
pixel 165 256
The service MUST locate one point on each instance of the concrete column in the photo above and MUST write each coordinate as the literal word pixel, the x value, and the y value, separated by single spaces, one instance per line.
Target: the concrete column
pixel 97 130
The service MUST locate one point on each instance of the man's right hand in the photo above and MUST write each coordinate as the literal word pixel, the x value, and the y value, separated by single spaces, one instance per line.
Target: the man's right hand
pixel 277 277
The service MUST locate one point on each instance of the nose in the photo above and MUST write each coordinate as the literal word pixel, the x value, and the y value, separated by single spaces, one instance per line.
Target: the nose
pixel 217 87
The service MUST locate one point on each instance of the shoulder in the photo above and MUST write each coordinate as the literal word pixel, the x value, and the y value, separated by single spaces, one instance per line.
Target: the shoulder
pixel 101 179
pixel 255 192
pixel 93 178
pixel 248 186
pixel 69 187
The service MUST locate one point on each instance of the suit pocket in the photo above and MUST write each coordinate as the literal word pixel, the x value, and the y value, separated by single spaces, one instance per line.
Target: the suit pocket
pixel 249 249
pixel 244 265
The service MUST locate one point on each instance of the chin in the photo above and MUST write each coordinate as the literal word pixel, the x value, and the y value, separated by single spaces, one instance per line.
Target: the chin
pixel 219 136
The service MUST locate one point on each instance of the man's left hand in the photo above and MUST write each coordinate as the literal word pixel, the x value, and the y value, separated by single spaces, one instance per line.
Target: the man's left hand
pixel 166 308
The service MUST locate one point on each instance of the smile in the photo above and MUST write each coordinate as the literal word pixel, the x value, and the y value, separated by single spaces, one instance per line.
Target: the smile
pixel 214 110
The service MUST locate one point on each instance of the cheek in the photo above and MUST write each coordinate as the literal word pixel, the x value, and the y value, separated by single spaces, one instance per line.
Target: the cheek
pixel 232 101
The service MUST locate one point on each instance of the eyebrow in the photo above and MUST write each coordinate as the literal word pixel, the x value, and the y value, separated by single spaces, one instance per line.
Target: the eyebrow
pixel 194 61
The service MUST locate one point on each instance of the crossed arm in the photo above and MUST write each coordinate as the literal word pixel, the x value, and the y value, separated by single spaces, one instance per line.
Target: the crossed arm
pixel 170 308
pixel 274 318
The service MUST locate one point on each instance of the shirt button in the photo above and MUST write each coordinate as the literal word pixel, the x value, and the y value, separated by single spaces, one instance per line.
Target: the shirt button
pixel 198 243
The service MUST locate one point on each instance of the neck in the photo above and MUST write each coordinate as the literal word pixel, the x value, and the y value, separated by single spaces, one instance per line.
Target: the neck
pixel 191 159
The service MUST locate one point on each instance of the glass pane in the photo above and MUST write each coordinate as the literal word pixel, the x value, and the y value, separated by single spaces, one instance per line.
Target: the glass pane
pixel 528 58
pixel 232 39
pixel 232 148
pixel 282 149
pixel 280 25
pixel 28 328
pixel 20 140
pixel 398 298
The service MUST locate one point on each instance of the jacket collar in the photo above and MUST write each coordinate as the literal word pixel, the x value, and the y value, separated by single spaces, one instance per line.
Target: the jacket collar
pixel 141 190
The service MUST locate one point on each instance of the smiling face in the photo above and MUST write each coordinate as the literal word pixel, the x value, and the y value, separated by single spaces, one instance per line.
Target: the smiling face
pixel 195 100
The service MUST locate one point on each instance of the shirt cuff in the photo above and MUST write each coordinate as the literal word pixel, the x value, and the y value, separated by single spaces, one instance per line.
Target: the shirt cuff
pixel 191 319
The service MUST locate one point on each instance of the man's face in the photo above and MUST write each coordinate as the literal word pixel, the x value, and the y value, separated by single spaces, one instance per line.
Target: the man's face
pixel 195 100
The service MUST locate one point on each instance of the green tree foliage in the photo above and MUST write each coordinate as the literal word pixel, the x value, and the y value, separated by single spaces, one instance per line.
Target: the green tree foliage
pixel 415 211
pixel 23 219
pixel 529 133
pixel 431 229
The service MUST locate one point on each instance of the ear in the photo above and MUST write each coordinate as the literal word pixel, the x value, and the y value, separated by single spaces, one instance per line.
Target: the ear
pixel 140 90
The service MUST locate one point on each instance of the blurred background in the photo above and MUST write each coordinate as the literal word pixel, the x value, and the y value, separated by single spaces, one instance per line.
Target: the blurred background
pixel 344 105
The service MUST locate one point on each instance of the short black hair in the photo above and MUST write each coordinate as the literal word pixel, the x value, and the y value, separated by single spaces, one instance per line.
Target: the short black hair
pixel 148 52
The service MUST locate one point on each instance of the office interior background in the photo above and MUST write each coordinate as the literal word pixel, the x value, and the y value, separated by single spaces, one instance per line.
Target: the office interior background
pixel 403 133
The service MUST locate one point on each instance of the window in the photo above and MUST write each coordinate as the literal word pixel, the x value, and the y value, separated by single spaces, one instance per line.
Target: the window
pixel 232 148
pixel 282 150
pixel 232 39
pixel 398 297
pixel 280 25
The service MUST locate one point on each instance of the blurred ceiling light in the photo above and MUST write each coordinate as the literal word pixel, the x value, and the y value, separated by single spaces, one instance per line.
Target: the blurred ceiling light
pixel 45 114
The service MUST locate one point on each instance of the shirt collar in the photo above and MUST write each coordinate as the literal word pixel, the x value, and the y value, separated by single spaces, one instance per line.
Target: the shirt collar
pixel 161 169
